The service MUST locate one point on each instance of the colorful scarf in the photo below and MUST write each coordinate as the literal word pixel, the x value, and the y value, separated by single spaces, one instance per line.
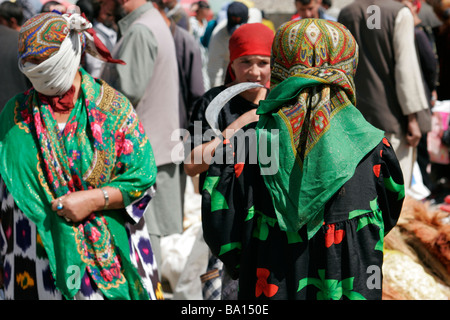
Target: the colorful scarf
pixel 310 113
pixel 103 144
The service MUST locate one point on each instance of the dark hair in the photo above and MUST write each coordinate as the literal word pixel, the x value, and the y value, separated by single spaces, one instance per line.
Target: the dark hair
pixel 237 14
pixel 159 3
pixel 446 14
pixel 90 8
pixel 46 6
pixel 10 10
pixel 203 4
pixel 304 2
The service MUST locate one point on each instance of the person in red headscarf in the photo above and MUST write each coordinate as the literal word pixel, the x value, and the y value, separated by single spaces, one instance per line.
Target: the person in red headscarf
pixel 250 49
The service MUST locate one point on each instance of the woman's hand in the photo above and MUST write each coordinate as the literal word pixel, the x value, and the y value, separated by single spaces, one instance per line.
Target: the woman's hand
pixel 200 157
pixel 77 206
pixel 248 117
pixel 414 134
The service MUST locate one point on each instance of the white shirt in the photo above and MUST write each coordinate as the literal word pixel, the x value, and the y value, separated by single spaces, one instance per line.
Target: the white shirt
pixel 409 85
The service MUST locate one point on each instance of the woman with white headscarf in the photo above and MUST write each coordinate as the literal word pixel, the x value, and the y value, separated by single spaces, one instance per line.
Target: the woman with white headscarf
pixel 76 173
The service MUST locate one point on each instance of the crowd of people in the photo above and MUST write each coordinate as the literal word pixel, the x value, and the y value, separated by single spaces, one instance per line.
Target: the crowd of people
pixel 105 118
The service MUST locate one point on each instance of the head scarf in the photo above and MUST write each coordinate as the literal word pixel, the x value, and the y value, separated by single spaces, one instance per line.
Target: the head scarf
pixel 249 39
pixel 50 50
pixel 310 113
pixel 237 14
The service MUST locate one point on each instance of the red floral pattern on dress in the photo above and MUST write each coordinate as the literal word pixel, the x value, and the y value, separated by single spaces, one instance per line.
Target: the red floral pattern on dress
pixel 262 286
pixel 238 167
pixel 333 236
pixel 376 170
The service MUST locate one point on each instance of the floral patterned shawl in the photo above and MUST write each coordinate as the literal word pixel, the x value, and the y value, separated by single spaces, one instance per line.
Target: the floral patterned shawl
pixel 311 112
pixel 103 144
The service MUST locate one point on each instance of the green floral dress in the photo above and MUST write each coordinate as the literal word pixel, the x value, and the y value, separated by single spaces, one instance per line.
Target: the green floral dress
pixel 341 261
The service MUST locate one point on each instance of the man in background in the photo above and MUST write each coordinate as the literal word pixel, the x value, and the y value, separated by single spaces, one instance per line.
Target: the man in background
pixel 11 15
pixel 12 80
pixel 388 81
pixel 218 56
pixel 310 9
pixel 103 15
pixel 175 11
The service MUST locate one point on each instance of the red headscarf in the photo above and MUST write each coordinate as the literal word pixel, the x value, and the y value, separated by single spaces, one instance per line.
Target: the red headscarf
pixel 249 39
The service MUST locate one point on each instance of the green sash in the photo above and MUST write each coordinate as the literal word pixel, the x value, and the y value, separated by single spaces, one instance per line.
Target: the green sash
pixel 103 144
pixel 318 151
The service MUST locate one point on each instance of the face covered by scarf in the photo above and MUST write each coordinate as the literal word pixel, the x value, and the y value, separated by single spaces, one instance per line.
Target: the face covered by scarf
pixel 310 112
pixel 50 50
pixel 249 39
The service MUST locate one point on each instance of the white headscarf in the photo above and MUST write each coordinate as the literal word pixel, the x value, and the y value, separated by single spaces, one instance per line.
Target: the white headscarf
pixel 54 76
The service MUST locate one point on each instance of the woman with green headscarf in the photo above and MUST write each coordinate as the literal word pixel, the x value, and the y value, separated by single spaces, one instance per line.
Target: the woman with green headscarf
pixel 76 174
pixel 309 223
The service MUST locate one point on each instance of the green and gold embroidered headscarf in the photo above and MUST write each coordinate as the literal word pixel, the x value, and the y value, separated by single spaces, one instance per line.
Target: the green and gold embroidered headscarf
pixel 311 113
